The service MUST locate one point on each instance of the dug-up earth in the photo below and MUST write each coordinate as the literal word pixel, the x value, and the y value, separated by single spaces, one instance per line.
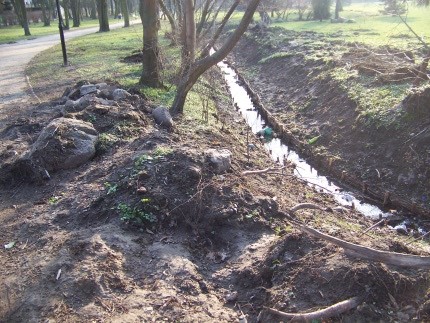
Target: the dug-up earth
pixel 332 96
pixel 148 230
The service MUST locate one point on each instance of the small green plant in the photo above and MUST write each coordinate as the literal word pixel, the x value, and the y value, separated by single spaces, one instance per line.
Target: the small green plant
pixel 313 140
pixel 134 214
pixel 111 188
pixel 161 151
pixel 55 199
pixel 252 215
pixel 105 141
pixel 92 118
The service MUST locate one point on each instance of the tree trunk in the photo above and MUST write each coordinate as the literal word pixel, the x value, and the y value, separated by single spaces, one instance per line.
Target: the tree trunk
pixel 66 14
pixel 23 14
pixel 189 28
pixel 102 11
pixel 112 8
pixel 117 10
pixel 172 21
pixel 93 14
pixel 124 9
pixel 75 6
pixel 337 9
pixel 202 65
pixel 150 68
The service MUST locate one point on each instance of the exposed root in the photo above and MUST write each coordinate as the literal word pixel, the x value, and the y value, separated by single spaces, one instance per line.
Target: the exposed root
pixel 262 171
pixel 355 250
pixel 328 312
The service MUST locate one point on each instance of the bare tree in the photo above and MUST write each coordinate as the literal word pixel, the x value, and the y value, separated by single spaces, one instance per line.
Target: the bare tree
pixel 196 68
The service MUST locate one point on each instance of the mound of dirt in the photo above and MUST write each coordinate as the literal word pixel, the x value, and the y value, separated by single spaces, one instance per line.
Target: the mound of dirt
pixel 149 230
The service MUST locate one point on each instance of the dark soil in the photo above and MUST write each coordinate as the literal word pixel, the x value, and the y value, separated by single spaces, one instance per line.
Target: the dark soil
pixel 147 231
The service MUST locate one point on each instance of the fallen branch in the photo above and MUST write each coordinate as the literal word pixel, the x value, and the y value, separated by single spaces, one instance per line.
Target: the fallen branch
pixel 262 171
pixel 370 228
pixel 328 312
pixel 355 250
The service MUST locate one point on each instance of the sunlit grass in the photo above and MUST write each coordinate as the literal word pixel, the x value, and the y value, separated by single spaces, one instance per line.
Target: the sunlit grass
pixel 97 56
pixel 370 27
pixel 14 33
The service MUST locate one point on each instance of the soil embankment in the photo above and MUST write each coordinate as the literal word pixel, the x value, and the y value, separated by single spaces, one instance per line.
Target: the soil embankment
pixel 387 158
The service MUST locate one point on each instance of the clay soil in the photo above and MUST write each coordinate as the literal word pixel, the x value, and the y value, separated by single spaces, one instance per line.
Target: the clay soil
pixel 207 248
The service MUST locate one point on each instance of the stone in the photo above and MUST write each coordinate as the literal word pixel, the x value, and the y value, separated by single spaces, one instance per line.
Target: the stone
pixel 162 117
pixel 102 86
pixel 120 94
pixel 87 89
pixel 219 159
pixel 64 144
pixel 77 105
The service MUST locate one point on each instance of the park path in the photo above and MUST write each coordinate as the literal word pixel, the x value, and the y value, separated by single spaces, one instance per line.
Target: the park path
pixel 15 57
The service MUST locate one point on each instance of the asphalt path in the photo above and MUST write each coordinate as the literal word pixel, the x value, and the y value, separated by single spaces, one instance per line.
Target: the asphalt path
pixel 14 85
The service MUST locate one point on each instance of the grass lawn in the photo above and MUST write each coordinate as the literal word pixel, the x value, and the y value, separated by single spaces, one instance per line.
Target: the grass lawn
pixel 370 27
pixel 15 33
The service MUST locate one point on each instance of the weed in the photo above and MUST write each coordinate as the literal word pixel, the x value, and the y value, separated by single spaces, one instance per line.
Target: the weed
pixel 161 151
pixel 313 140
pixel 55 199
pixel 105 142
pixel 92 118
pixel 111 188
pixel 134 214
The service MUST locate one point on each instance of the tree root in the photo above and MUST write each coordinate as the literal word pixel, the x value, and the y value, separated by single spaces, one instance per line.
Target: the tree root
pixel 330 311
pixel 355 250
pixel 262 171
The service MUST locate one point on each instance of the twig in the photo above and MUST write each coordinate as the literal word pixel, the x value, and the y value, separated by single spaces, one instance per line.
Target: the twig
pixel 262 171
pixel 370 228
pixel 328 312
pixel 424 235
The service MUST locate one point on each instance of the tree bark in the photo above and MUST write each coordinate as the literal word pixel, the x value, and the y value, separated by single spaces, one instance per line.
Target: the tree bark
pixel 102 11
pixel 337 9
pixel 93 14
pixel 150 67
pixel 203 64
pixel 125 15
pixel 66 14
pixel 75 6
pixel 23 15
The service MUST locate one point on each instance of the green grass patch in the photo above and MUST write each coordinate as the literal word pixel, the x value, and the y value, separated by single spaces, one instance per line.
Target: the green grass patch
pixel 371 27
pixel 14 33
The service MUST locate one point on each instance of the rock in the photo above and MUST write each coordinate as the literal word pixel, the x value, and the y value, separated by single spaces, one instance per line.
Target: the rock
pixel 102 86
pixel 120 94
pixel 105 94
pixel 78 105
pixel 162 117
pixel 142 190
pixel 87 89
pixel 231 297
pixel 220 159
pixel 64 144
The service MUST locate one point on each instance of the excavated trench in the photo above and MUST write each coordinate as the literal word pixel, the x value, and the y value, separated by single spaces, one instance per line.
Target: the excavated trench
pixel 280 148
